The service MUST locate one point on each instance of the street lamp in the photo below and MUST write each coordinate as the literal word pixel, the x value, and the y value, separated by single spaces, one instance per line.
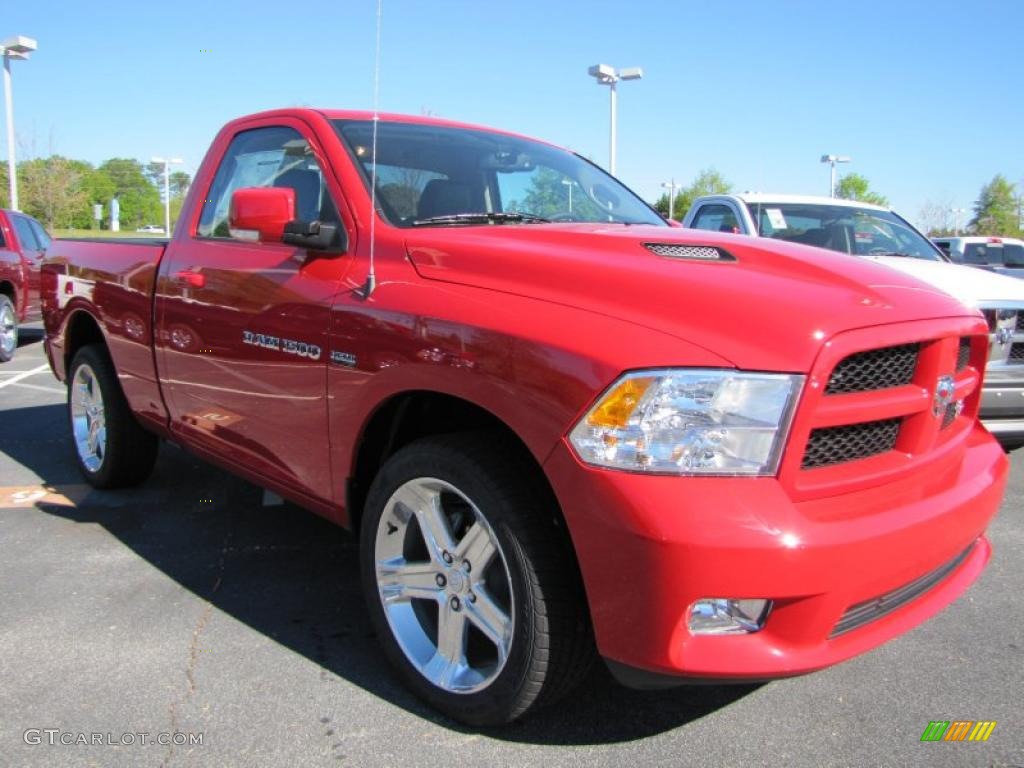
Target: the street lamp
pixel 671 186
pixel 832 160
pixel 956 219
pixel 569 183
pixel 608 75
pixel 167 189
pixel 16 47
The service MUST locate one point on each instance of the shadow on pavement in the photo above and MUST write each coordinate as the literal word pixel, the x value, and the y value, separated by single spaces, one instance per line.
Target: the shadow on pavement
pixel 293 577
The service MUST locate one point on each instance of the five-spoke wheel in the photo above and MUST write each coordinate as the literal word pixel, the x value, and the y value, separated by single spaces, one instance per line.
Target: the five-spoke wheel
pixel 470 580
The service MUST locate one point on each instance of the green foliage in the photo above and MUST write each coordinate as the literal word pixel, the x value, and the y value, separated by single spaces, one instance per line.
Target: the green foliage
pixel 548 197
pixel 707 182
pixel 853 186
pixel 996 211
pixel 50 189
pixel 139 199
pixel 179 182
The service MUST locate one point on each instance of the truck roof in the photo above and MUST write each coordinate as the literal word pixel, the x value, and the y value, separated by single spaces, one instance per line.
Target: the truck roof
pixel 393 117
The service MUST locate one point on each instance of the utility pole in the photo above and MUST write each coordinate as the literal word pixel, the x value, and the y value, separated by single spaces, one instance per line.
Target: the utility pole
pixel 671 186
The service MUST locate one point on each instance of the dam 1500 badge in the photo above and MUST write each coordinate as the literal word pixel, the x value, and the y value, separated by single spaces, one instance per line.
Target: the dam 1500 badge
pixel 289 346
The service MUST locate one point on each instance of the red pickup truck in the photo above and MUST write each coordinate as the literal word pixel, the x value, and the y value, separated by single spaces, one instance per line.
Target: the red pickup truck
pixel 562 429
pixel 23 244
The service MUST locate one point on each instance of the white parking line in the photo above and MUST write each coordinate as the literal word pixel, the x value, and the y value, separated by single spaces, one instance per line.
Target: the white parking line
pixel 23 375
pixel 38 388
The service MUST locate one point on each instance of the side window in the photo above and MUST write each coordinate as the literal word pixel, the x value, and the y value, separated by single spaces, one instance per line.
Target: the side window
pixel 942 245
pixel 26 236
pixel 976 253
pixel 716 218
pixel 41 236
pixel 3 241
pixel 267 157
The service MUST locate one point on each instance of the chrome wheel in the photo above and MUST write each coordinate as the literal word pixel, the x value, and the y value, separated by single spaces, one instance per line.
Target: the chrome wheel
pixel 88 418
pixel 444 584
pixel 8 329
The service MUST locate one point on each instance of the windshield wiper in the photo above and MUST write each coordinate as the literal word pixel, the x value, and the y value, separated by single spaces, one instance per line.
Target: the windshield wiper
pixel 893 253
pixel 483 217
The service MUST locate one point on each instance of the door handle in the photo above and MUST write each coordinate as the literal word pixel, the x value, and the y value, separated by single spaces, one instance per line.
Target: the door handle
pixel 195 279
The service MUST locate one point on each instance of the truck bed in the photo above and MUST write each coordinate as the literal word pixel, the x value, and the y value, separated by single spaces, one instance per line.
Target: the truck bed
pixel 112 281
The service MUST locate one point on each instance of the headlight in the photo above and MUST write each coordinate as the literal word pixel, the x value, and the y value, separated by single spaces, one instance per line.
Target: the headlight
pixel 690 422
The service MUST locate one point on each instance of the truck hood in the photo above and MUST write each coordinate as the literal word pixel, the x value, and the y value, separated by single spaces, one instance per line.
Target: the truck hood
pixel 970 285
pixel 770 309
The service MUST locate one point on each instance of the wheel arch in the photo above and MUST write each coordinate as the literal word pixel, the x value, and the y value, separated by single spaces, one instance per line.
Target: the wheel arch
pixel 80 329
pixel 7 289
pixel 412 414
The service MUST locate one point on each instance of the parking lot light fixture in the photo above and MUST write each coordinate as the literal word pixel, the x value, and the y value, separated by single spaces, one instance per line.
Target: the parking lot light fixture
pixel 606 74
pixel 956 219
pixel 832 160
pixel 167 189
pixel 15 47
pixel 671 186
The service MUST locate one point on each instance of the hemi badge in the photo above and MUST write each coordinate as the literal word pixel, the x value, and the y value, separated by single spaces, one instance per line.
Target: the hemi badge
pixel 343 358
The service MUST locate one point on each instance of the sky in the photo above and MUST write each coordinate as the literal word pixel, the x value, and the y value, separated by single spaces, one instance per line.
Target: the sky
pixel 924 96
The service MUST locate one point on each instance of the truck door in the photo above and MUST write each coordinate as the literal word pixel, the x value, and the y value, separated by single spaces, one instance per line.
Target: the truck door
pixel 32 251
pixel 241 326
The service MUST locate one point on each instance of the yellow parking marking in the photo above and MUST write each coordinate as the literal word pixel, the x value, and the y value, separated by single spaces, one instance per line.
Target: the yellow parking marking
pixel 21 496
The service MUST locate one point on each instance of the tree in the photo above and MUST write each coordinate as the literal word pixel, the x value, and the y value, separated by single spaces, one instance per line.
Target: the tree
pixel 179 182
pixel 707 182
pixel 853 186
pixel 996 211
pixel 138 198
pixel 50 189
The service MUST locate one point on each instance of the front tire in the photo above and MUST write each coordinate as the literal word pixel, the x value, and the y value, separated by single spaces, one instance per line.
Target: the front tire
pixel 470 581
pixel 8 329
pixel 111 449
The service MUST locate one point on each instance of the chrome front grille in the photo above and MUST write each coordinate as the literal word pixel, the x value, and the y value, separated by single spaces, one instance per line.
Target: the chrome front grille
pixel 832 445
pixel 874 369
pixel 864 613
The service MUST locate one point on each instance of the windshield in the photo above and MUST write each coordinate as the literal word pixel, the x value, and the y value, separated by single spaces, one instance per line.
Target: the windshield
pixel 843 228
pixel 429 175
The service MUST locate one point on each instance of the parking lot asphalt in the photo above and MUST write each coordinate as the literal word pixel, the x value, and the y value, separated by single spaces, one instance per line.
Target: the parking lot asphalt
pixel 195 604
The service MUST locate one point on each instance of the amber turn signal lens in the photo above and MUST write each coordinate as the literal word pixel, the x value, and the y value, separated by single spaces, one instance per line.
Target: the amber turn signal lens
pixel 618 405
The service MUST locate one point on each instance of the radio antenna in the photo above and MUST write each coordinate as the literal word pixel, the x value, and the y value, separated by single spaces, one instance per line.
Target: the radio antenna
pixel 371 278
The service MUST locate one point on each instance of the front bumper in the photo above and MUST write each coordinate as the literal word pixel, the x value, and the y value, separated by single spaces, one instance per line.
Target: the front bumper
pixel 1002 404
pixel 650 546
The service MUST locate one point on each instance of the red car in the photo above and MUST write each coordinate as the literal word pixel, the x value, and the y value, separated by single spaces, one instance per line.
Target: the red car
pixel 562 429
pixel 23 244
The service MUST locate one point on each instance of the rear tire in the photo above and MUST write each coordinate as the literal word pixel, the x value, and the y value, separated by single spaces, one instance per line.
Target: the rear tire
pixel 8 329
pixel 483 642
pixel 110 448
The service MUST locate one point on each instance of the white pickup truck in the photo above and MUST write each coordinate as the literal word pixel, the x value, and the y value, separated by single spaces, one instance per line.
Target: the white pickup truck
pixel 879 234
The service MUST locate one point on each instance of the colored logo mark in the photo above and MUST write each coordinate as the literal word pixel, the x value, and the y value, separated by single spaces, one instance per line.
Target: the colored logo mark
pixel 958 730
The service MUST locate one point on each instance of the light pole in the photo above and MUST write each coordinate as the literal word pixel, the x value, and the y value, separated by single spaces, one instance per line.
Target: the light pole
pixel 832 160
pixel 608 75
pixel 956 219
pixel 671 186
pixel 167 189
pixel 16 47
pixel 569 183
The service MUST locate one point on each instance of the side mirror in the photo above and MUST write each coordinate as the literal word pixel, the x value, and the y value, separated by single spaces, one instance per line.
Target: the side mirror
pixel 261 213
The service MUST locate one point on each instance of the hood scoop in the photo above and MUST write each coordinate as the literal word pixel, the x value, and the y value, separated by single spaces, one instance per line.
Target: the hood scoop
pixel 690 252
